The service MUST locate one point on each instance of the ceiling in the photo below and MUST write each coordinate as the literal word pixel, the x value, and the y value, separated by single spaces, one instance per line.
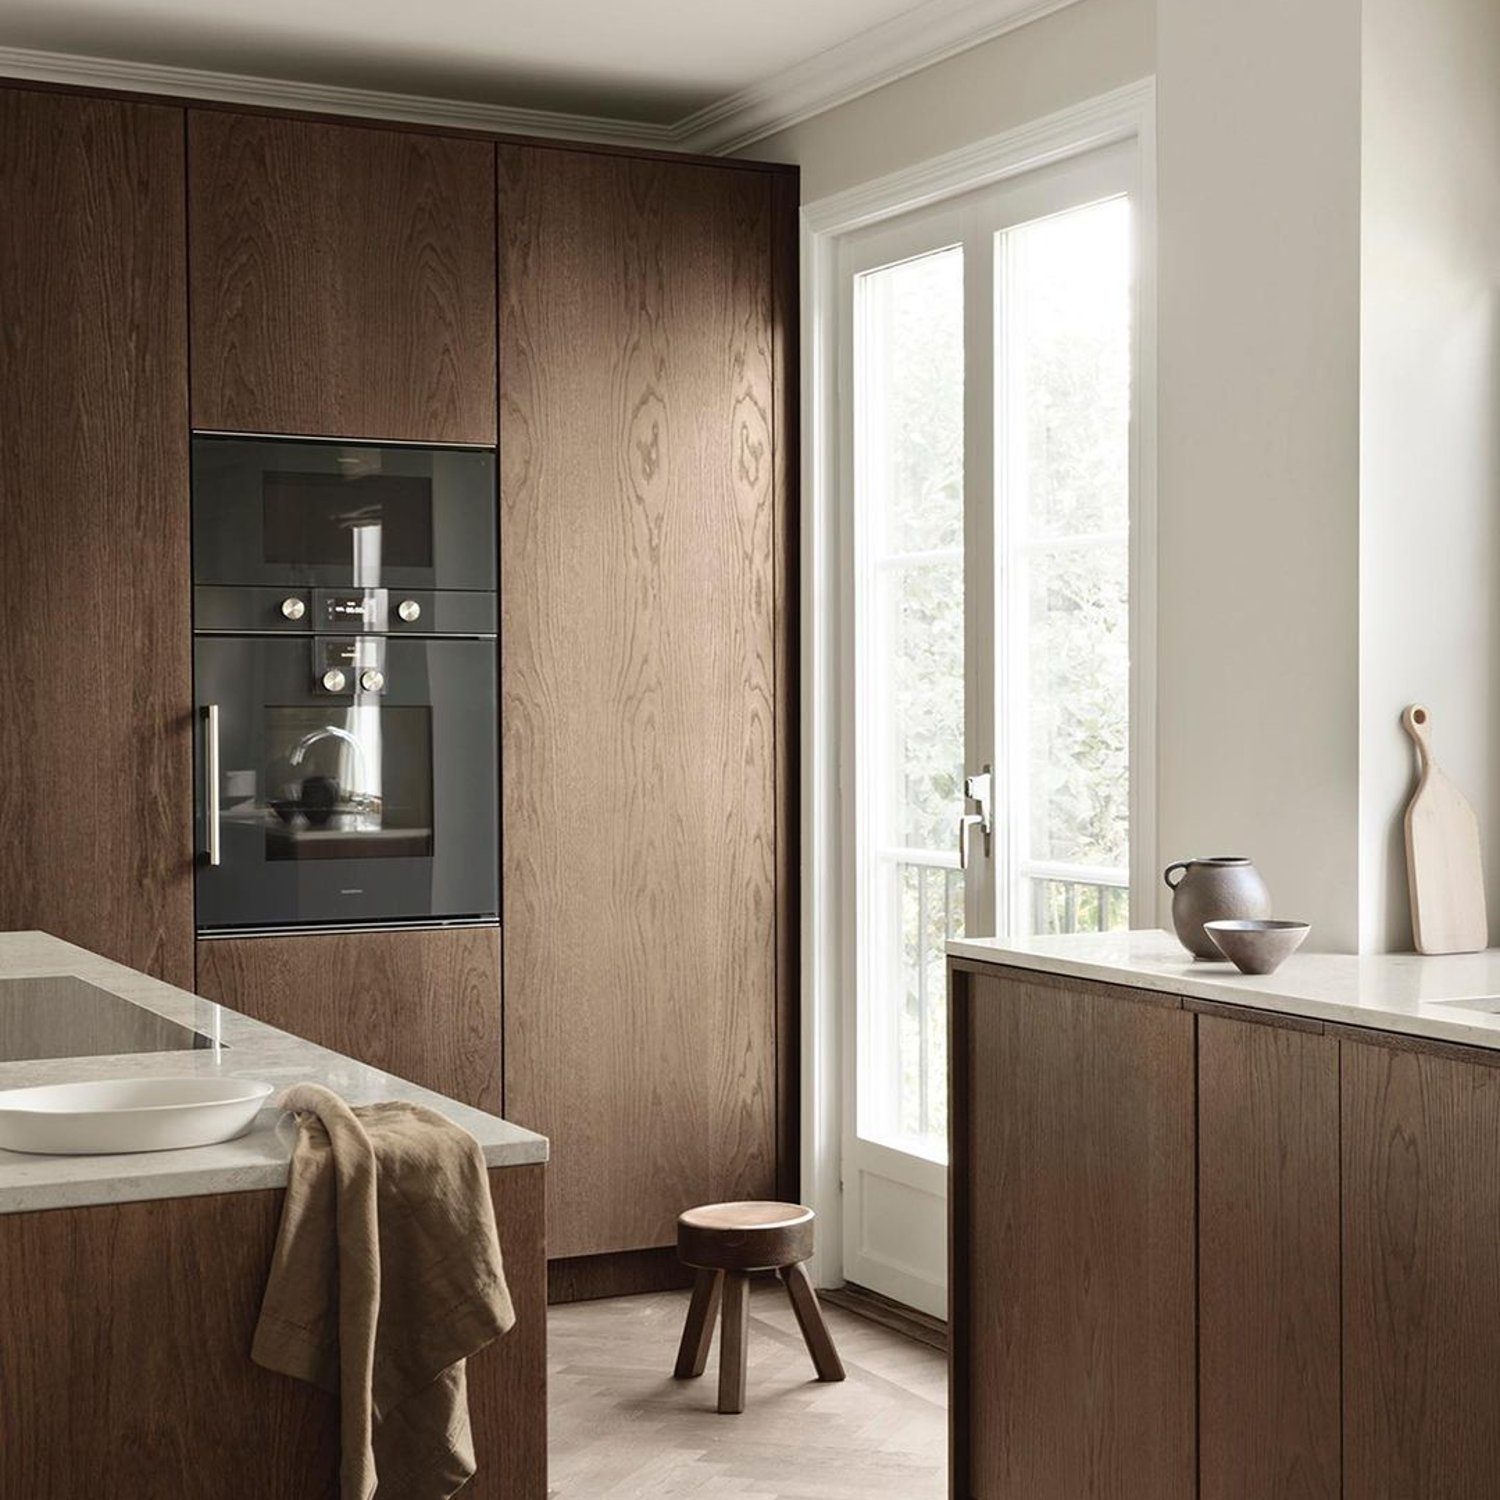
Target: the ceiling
pixel 702 74
pixel 652 62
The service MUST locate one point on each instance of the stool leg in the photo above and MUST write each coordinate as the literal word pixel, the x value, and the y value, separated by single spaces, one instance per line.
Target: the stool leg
pixel 698 1331
pixel 732 1344
pixel 815 1332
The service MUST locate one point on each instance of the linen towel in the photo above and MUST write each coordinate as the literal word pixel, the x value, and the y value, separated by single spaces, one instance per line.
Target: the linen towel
pixel 386 1277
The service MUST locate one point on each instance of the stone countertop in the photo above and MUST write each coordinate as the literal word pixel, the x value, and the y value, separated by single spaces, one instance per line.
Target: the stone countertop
pixel 1454 998
pixel 246 1049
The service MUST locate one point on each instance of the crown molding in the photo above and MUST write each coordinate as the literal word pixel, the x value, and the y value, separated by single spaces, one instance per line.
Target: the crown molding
pixel 904 44
pixel 278 93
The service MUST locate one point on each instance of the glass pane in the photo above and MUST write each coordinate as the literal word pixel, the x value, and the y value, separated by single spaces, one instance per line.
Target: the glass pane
pixel 347 783
pixel 909 436
pixel 1064 385
pixel 1067 303
pixel 1078 640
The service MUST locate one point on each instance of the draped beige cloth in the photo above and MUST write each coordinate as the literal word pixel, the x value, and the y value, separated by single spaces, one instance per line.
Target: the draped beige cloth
pixel 386 1278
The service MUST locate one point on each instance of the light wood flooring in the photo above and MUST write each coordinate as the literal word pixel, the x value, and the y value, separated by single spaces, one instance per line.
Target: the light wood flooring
pixel 621 1426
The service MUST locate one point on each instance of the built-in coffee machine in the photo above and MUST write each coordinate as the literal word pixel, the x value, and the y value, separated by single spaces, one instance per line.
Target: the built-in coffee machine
pixel 344 621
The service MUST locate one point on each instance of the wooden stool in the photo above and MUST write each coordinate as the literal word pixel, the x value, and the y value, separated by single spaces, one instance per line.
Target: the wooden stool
pixel 724 1242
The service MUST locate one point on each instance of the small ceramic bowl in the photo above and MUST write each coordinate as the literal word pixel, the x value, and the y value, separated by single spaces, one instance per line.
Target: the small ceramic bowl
pixel 1257 947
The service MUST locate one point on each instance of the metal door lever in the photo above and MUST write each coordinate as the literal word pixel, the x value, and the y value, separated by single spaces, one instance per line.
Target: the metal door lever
pixel 977 790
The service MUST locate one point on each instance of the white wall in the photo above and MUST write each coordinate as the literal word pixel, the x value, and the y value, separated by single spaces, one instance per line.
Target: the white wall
pixel 1329 401
pixel 1258 277
pixel 1073 54
pixel 1430 427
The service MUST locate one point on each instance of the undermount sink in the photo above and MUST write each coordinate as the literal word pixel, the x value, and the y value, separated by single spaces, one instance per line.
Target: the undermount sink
pixel 127 1114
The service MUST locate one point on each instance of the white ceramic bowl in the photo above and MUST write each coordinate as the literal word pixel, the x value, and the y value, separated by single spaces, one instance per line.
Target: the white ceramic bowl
pixel 127 1114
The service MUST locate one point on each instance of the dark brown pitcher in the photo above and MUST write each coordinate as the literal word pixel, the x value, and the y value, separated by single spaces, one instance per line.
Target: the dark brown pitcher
pixel 1227 887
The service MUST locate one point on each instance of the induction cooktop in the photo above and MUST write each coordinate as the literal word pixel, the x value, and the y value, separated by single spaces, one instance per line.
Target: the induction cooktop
pixel 60 1015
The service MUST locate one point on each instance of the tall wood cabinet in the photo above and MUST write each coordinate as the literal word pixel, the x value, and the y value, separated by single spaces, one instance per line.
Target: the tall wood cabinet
pixel 621 325
pixel 95 734
pixel 343 279
pixel 645 523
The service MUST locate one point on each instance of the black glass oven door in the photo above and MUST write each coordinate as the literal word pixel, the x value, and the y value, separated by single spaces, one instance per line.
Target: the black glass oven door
pixel 279 511
pixel 355 780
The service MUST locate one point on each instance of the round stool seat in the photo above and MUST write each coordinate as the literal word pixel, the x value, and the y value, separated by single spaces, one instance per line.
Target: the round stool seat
pixel 745 1236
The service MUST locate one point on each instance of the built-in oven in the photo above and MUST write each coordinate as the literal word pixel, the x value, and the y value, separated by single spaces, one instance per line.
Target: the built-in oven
pixel 345 669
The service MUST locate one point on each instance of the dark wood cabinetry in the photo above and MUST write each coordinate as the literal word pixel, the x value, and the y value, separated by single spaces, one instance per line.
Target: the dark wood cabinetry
pixel 95 734
pixel 1072 1278
pixel 1421 1196
pixel 1268 1262
pixel 1347 1302
pixel 422 1005
pixel 166 268
pixel 125 1359
pixel 645 701
pixel 343 279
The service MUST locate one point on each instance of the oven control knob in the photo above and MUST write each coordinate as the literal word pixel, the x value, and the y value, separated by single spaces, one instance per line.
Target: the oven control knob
pixel 293 607
pixel 409 610
pixel 333 680
pixel 371 680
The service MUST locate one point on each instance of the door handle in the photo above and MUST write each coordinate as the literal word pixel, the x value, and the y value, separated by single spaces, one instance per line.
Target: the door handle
pixel 966 826
pixel 211 780
pixel 977 790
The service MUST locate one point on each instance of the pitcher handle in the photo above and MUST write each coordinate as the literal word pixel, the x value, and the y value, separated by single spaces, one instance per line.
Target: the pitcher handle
pixel 1181 864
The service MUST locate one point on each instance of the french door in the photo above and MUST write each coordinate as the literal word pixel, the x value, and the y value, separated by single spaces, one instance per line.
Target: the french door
pixel 986 367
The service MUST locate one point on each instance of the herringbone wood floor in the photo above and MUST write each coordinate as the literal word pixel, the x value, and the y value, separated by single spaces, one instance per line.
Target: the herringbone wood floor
pixel 621 1426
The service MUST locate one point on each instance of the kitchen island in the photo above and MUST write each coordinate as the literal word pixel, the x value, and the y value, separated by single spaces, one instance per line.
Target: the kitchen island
pixel 130 1284
pixel 1219 1236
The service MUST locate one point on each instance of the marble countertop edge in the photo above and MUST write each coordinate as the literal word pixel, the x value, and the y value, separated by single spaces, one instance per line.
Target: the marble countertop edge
pixel 253 1161
pixel 1452 998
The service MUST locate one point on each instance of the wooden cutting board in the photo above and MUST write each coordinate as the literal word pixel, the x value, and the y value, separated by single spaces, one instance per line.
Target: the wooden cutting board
pixel 1443 863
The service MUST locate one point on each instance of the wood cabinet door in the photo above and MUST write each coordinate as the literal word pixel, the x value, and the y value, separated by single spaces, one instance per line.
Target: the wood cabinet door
pixel 1268 1262
pixel 1073 1256
pixel 343 279
pixel 1421 1167
pixel 423 1005
pixel 96 782
pixel 643 711
pixel 126 1366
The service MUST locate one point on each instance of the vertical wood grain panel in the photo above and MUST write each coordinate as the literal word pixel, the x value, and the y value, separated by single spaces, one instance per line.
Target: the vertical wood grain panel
pixel 125 1361
pixel 1421 1237
pixel 1268 1268
pixel 422 1005
pixel 1077 1275
pixel 639 555
pixel 786 451
pixel 95 733
pixel 343 279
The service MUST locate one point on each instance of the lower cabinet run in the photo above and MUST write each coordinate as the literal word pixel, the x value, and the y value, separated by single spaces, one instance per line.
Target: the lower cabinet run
pixel 125 1362
pixel 424 1005
pixel 1202 1252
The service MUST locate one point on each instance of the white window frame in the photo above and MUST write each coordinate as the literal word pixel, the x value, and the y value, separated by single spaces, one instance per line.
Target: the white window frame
pixel 827 693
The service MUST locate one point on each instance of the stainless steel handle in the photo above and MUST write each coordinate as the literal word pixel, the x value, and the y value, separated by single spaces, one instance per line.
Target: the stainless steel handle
pixel 211 779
